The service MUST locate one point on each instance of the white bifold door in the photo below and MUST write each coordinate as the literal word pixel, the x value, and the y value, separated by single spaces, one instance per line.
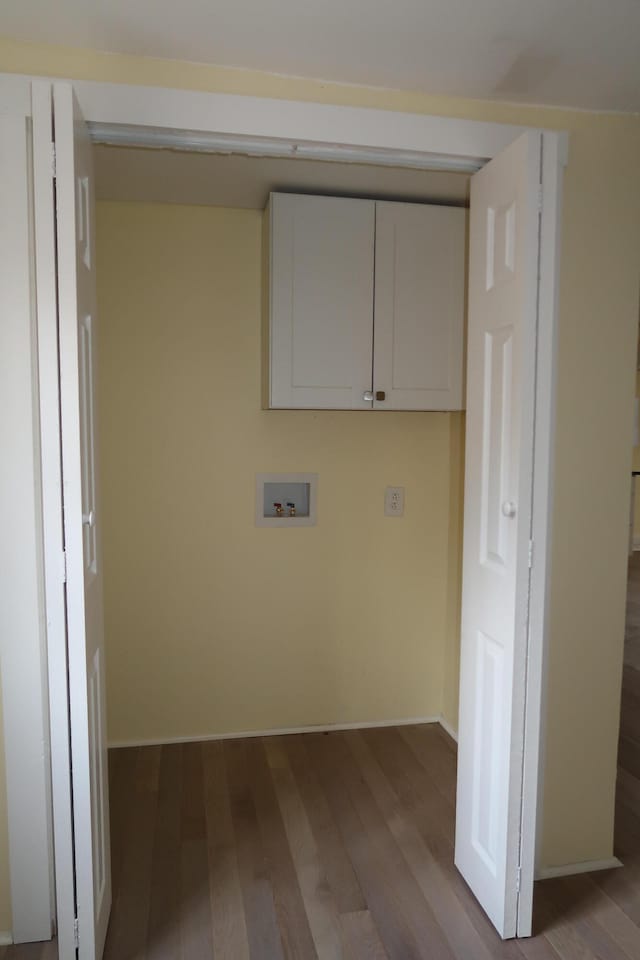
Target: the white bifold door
pixel 77 335
pixel 501 383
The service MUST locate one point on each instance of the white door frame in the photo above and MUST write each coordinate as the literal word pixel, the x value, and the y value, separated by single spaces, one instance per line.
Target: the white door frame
pixel 198 120
pixel 23 653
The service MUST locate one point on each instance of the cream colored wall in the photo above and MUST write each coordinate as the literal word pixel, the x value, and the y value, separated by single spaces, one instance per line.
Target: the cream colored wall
pixel 597 345
pixel 214 625
pixel 451 675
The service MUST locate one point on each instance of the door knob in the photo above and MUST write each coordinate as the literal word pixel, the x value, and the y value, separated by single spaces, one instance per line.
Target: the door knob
pixel 380 395
pixel 89 519
pixel 508 508
pixel 367 396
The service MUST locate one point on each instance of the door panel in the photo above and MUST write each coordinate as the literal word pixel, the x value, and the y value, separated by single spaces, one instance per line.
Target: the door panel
pixel 419 306
pixel 87 387
pixel 85 631
pixel 321 301
pixel 498 371
pixel 503 279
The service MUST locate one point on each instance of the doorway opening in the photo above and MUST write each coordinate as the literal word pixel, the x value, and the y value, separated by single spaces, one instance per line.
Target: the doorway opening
pixel 546 292
pixel 267 645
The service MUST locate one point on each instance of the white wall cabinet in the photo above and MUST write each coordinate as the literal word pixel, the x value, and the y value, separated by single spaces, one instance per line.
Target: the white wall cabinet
pixel 365 304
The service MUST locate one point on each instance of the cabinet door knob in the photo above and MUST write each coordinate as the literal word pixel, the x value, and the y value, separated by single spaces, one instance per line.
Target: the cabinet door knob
pixel 381 395
pixel 88 519
pixel 367 396
pixel 508 508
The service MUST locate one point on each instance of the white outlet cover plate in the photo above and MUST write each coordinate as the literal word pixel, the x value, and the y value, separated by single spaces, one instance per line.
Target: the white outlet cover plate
pixel 394 502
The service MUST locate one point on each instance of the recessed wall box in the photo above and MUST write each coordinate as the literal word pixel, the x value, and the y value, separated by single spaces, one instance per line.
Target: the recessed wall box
pixel 286 499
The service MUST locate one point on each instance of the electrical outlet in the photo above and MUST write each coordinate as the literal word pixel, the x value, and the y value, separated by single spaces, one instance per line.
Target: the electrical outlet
pixel 394 502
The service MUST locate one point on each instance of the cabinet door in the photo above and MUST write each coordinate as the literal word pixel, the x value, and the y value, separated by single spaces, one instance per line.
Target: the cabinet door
pixel 419 306
pixel 321 301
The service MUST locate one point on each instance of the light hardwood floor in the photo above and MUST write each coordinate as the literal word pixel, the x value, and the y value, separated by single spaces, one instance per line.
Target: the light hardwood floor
pixel 337 845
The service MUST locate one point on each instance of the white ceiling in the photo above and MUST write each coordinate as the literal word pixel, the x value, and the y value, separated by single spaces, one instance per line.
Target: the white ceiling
pixel 222 180
pixel 583 53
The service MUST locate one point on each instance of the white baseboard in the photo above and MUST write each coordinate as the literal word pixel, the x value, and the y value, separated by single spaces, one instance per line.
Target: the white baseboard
pixel 447 726
pixel 584 866
pixel 6 938
pixel 278 732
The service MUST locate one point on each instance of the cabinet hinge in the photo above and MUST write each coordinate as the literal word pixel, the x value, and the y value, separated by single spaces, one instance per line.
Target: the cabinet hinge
pixel 64 566
pixel 530 556
pixel 53 160
pixel 539 198
pixel 76 933
pixel 518 879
